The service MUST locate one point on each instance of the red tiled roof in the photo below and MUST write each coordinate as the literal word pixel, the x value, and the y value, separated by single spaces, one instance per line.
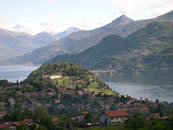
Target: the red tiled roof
pixel 8 124
pixel 117 113
pixel 145 109
pixel 28 121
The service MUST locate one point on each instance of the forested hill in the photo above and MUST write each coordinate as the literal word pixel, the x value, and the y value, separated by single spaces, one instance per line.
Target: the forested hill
pixel 131 54
pixel 69 76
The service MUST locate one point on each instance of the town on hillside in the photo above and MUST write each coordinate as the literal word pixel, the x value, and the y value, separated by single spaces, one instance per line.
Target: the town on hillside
pixel 67 96
pixel 19 102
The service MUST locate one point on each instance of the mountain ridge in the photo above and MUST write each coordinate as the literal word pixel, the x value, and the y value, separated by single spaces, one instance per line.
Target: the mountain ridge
pixel 24 42
pixel 139 53
pixel 82 40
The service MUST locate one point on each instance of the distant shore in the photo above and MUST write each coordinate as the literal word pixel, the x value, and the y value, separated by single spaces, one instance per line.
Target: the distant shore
pixel 20 64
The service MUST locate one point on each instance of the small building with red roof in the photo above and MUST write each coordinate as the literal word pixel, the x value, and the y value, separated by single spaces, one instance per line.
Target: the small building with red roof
pixel 113 117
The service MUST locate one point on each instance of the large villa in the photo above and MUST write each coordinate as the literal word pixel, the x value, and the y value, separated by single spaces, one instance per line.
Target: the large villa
pixel 52 76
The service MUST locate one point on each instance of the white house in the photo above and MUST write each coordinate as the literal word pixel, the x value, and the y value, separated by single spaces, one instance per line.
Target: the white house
pixel 51 76
pixel 113 117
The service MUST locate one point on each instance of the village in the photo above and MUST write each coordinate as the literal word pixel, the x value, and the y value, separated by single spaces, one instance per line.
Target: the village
pixel 107 109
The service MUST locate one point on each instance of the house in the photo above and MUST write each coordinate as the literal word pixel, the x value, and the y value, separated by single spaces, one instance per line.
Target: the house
pixel 80 92
pixel 113 117
pixel 12 125
pixel 52 76
pixel 2 114
pixel 78 118
pixel 57 101
pixel 11 101
pixel 61 90
pixel 51 93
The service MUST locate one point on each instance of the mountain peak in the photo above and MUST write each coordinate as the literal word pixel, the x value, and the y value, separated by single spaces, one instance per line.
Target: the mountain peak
pixel 67 32
pixel 123 19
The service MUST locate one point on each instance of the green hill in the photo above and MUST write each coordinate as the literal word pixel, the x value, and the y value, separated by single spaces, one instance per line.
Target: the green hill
pixel 69 76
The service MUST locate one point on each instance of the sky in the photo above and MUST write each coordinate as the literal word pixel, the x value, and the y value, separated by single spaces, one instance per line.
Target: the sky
pixel 34 16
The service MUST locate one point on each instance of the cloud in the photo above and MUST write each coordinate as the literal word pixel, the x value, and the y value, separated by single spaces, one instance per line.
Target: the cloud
pixel 136 9
pixel 142 8
pixel 23 28
pixel 54 26
pixel 3 21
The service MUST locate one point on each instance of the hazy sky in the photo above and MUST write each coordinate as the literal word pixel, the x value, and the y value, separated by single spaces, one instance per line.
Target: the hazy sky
pixel 34 16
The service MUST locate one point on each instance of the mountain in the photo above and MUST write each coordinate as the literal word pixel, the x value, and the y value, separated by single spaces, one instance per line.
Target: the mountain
pixel 73 43
pixel 67 32
pixel 136 25
pixel 43 38
pixel 147 52
pixel 5 52
pixel 123 20
pixel 14 41
pixel 82 40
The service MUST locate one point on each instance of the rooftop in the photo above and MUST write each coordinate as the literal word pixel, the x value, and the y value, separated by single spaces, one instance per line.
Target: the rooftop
pixel 117 113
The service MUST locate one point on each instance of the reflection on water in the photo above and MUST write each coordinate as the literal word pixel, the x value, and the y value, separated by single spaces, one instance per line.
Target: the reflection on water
pixel 152 92
pixel 14 73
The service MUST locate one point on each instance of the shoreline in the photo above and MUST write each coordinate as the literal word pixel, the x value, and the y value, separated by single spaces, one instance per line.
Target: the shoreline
pixel 21 65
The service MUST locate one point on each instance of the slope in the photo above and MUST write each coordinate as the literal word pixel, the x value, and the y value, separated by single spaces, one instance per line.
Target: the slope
pixel 141 52
pixel 74 43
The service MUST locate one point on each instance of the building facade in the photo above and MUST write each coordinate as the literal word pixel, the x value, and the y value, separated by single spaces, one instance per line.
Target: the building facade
pixel 113 117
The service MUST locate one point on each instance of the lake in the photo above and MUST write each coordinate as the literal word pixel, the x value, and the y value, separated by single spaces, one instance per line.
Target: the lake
pixel 163 93
pixel 14 73
pixel 152 92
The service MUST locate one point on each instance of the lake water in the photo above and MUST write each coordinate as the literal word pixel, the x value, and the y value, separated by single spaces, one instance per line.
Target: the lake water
pixel 163 93
pixel 152 92
pixel 14 73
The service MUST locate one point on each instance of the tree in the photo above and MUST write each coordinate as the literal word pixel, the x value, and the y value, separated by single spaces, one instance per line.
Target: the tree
pixel 89 118
pixel 65 122
pixel 42 115
pixel 22 126
pixel 136 123
pixel 170 122
pixel 42 127
pixel 157 101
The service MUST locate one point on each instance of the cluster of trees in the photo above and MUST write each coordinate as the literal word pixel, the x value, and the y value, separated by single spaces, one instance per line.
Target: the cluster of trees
pixel 44 120
pixel 140 123
pixel 3 83
pixel 65 69
pixel 39 115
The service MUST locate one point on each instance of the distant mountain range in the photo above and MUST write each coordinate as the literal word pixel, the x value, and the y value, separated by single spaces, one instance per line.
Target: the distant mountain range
pixel 66 32
pixel 147 52
pixel 14 41
pixel 82 40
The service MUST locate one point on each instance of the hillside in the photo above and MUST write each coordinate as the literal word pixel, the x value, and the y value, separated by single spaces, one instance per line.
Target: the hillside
pixel 69 76
pixel 130 55
pixel 14 41
pixel 73 43
pixel 80 41
pixel 67 32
